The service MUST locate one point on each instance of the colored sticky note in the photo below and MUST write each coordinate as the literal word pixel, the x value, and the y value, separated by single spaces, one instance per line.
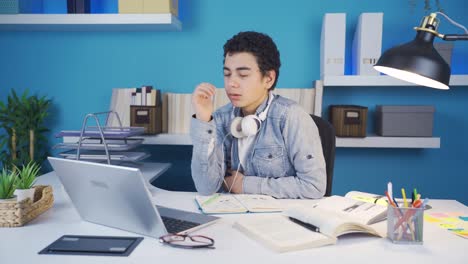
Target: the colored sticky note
pixel 450 219
pixel 431 219
pixel 439 215
pixel 448 226
pixel 462 233
pixel 464 218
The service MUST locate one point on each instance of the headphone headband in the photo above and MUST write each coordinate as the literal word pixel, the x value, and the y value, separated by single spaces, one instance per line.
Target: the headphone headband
pixel 262 116
pixel 249 125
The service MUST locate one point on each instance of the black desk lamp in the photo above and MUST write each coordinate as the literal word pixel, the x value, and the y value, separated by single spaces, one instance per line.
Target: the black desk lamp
pixel 417 61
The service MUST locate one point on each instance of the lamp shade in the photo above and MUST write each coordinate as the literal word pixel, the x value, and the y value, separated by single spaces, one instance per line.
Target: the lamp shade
pixel 416 62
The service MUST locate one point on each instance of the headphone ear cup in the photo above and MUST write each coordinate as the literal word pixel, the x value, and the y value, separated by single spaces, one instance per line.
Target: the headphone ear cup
pixel 250 125
pixel 236 127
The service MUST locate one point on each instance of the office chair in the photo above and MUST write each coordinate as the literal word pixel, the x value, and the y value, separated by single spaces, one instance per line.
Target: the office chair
pixel 328 139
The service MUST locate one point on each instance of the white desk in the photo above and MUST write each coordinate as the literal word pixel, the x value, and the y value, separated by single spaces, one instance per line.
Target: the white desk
pixel 21 244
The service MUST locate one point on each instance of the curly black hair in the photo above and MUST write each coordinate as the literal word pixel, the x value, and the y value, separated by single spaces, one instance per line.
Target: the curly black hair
pixel 261 46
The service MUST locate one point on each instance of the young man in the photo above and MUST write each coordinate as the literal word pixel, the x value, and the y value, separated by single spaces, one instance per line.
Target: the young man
pixel 260 143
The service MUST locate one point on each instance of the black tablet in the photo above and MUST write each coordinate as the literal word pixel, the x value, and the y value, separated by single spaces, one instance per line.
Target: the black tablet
pixel 92 245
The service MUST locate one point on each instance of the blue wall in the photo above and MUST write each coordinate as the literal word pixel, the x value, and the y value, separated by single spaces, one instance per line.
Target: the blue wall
pixel 79 69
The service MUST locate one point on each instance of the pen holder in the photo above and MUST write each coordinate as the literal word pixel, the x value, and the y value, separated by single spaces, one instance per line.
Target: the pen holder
pixel 405 225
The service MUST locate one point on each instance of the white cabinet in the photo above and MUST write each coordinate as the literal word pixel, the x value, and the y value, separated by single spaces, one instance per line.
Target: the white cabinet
pixel 89 22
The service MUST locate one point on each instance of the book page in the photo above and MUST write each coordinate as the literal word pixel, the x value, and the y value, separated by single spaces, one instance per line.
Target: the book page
pixel 359 211
pixel 331 224
pixel 259 203
pixel 281 234
pixel 219 204
pixel 367 197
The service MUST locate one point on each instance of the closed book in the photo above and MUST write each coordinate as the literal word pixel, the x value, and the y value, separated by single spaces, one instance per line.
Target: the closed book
pixel 130 6
pixel 138 98
pixel 367 44
pixel 161 6
pixel 30 6
pixel 120 103
pixel 332 44
pixel 78 6
pixel 71 7
pixel 82 6
pixel 153 97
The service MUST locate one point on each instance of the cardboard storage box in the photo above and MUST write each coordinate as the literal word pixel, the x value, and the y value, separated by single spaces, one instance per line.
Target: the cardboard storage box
pixel 149 117
pixel 405 120
pixel 149 6
pixel 349 120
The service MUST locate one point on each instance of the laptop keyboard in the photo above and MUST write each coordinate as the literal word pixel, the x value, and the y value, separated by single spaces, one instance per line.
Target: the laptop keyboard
pixel 175 226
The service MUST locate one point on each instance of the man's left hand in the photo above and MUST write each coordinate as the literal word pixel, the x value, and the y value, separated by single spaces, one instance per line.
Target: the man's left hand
pixel 234 181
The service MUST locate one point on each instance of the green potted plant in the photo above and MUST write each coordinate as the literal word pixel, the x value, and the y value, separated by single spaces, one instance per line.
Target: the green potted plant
pixel 429 5
pixel 7 185
pixel 27 176
pixel 22 119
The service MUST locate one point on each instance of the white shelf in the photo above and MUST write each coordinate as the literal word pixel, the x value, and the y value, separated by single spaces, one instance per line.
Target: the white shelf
pixel 377 141
pixel 168 139
pixel 89 22
pixel 382 80
pixel 367 142
pixel 388 142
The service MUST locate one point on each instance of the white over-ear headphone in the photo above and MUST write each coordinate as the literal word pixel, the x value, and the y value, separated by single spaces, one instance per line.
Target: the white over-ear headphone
pixel 249 125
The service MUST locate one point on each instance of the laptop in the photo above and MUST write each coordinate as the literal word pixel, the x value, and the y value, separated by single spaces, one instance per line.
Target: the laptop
pixel 116 196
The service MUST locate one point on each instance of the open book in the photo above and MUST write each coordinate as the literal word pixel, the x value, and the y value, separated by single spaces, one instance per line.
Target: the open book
pixel 306 227
pixel 375 198
pixel 237 203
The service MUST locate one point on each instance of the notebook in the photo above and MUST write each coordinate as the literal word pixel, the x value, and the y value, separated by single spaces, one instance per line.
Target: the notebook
pixel 237 203
pixel 116 196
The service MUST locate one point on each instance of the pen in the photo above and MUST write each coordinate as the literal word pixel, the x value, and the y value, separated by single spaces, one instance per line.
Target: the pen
pixel 415 193
pixel 390 190
pixel 389 199
pixel 211 199
pixel 403 193
pixel 306 225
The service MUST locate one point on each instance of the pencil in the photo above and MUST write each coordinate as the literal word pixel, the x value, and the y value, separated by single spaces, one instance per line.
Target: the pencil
pixel 403 193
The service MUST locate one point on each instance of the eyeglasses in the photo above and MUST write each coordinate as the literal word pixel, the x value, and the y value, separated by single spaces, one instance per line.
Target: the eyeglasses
pixel 187 241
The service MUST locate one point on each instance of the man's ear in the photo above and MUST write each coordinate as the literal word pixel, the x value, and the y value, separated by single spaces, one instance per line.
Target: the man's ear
pixel 270 78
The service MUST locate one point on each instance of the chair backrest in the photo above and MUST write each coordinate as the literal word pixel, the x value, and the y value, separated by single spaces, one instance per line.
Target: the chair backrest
pixel 328 139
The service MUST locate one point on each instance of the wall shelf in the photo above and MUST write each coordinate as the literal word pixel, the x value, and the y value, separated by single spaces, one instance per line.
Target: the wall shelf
pixel 388 142
pixel 89 22
pixel 373 141
pixel 367 142
pixel 382 80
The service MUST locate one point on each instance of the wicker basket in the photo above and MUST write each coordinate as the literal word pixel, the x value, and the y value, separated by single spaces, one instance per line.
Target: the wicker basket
pixel 14 213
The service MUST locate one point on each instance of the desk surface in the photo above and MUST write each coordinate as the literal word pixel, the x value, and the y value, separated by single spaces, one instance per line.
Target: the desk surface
pixel 21 244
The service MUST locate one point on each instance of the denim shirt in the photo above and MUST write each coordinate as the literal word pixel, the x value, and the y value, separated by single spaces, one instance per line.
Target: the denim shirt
pixel 285 160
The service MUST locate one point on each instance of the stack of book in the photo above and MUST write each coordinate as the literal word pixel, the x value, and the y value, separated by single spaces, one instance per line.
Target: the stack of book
pixel 148 6
pixel 123 98
pixel 180 111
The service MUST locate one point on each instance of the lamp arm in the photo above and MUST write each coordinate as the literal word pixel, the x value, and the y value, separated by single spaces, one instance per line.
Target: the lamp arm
pixel 453 37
